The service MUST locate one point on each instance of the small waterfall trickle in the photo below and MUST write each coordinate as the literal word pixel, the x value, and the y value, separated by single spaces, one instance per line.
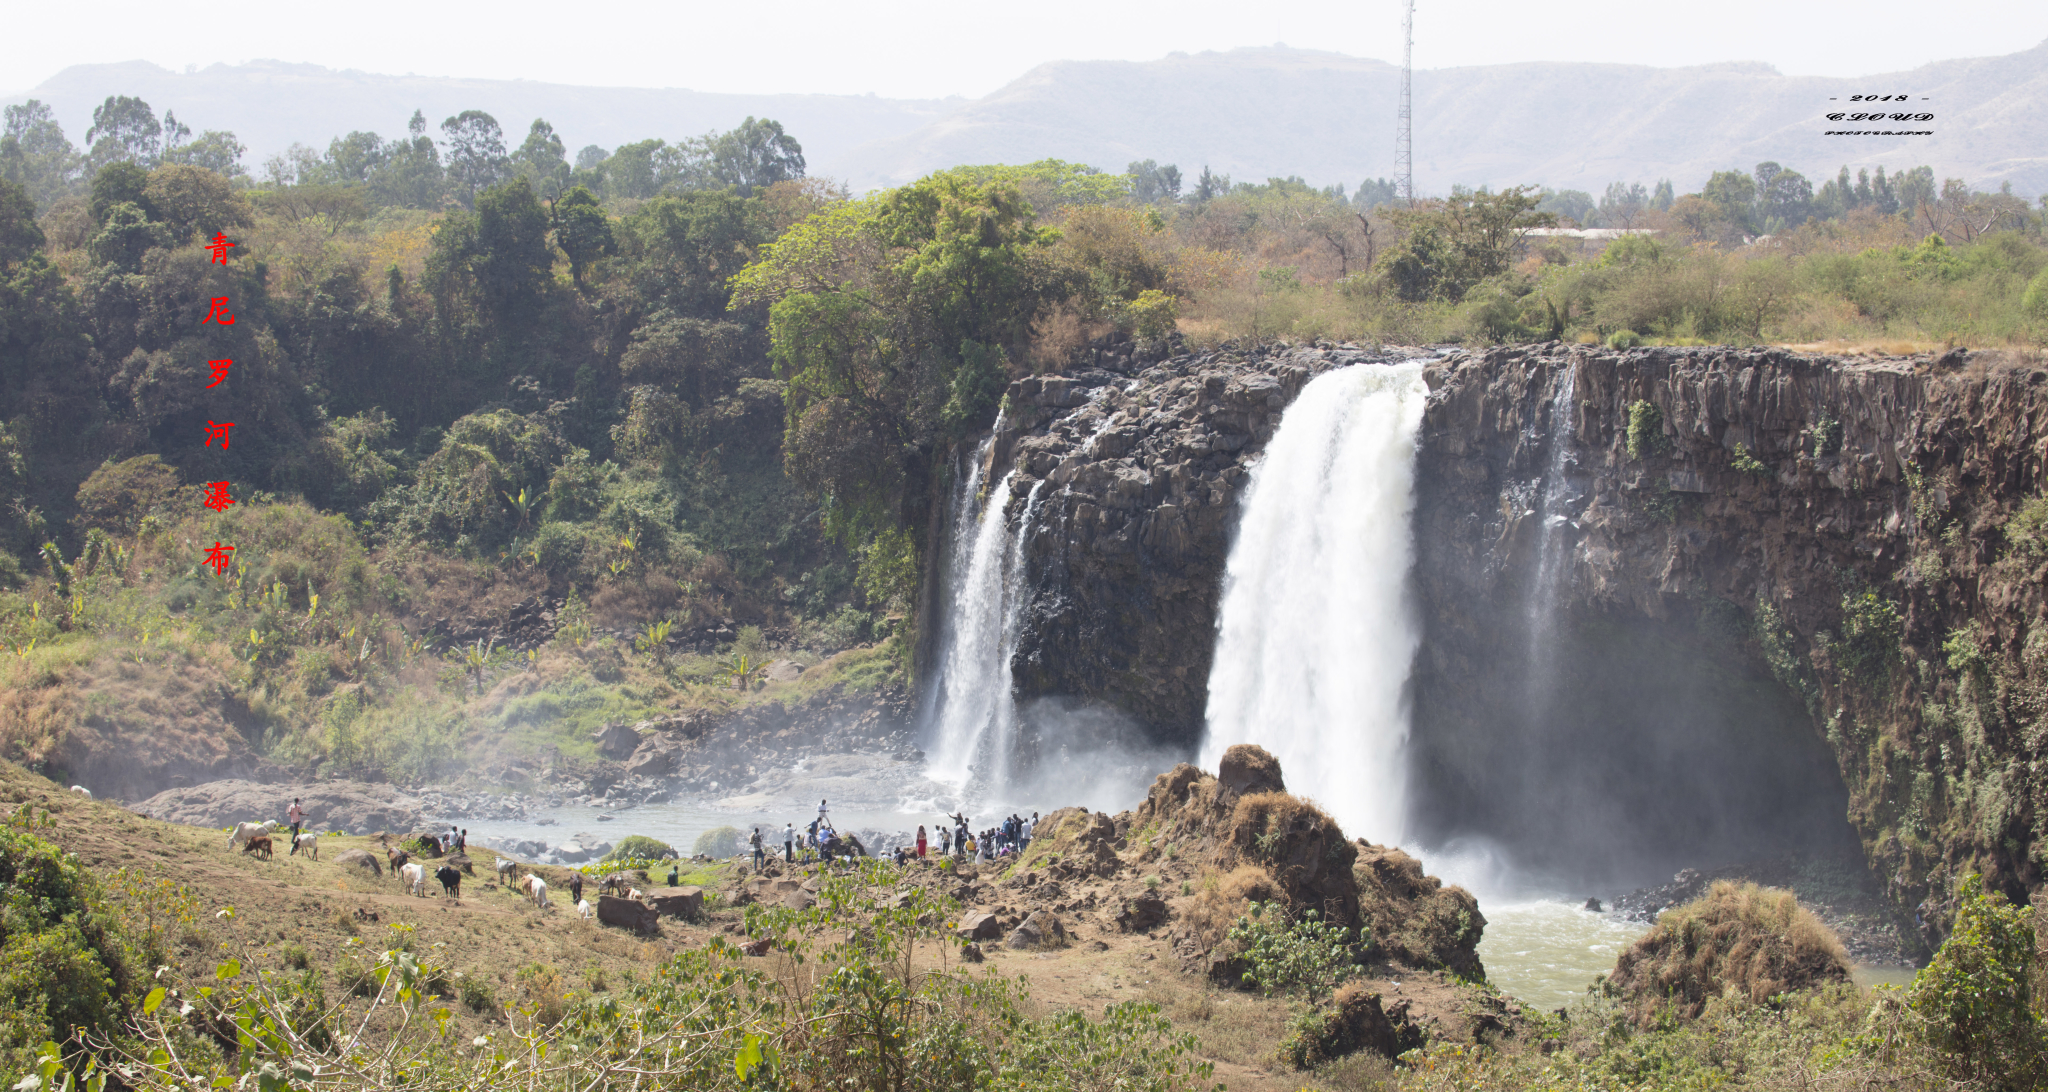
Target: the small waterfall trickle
pixel 970 720
pixel 1316 635
pixel 1551 541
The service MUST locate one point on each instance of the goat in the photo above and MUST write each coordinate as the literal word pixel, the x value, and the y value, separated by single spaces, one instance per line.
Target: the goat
pixel 615 884
pixel 397 857
pixel 415 879
pixel 583 909
pixel 245 831
pixel 309 841
pixel 82 791
pixel 451 880
pixel 365 915
pixel 258 843
pixel 634 894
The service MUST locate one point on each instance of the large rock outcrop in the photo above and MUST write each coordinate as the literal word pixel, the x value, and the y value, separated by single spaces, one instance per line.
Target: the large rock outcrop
pixel 1781 590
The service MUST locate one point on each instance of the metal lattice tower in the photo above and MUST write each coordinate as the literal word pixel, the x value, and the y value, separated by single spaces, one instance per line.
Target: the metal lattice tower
pixel 1404 138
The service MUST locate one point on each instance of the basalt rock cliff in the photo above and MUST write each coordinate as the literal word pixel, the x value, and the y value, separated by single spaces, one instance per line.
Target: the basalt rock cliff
pixel 1793 603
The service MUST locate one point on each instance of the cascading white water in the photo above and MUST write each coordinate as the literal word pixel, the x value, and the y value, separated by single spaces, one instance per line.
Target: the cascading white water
pixel 971 722
pixel 1316 635
pixel 1550 555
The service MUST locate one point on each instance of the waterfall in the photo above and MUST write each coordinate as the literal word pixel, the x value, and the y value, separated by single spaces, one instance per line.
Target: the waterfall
pixel 1556 497
pixel 970 722
pixel 1316 634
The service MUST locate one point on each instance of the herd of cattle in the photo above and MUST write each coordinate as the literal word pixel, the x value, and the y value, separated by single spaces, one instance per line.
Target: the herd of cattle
pixel 255 838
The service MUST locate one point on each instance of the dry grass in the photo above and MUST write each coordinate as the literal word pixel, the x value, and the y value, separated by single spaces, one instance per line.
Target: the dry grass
pixel 1737 940
pixel 1221 897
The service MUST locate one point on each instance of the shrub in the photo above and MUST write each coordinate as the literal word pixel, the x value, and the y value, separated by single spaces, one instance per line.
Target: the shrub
pixel 1307 954
pixel 1753 942
pixel 1975 997
pixel 1746 463
pixel 639 847
pixel 1624 339
pixel 718 842
pixel 64 961
pixel 1645 430
pixel 1154 313
pixel 476 993
pixel 296 957
pixel 542 989
pixel 357 977
pixel 2034 305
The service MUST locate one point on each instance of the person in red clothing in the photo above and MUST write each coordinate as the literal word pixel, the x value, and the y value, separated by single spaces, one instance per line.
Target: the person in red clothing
pixel 920 841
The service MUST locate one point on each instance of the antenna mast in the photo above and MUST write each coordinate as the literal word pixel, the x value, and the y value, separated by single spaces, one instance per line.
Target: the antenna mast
pixel 1404 138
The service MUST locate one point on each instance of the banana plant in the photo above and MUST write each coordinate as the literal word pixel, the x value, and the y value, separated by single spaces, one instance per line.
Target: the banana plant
pixel 743 671
pixel 522 505
pixel 476 659
pixel 653 640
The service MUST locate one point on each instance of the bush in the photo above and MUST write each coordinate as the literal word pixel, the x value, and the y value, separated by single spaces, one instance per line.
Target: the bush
pixel 1307 954
pixel 718 842
pixel 1752 942
pixel 476 993
pixel 1154 313
pixel 639 847
pixel 65 964
pixel 1624 339
pixel 1645 430
pixel 1976 997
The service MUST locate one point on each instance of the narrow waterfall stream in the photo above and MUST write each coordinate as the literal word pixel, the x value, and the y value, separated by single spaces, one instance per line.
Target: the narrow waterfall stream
pixel 1316 634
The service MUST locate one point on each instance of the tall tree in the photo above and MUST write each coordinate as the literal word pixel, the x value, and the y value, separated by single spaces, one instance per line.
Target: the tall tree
pixel 1622 204
pixel 35 154
pixel 581 230
pixel 124 128
pixel 476 154
pixel 410 174
pixel 540 160
pixel 1151 182
pixel 754 156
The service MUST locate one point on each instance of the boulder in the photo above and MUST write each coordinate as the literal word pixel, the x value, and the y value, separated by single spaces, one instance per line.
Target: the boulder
pixel 799 899
pixel 678 902
pixel 784 671
pixel 627 913
pixel 360 860
pixel 654 758
pixel 1248 768
pixel 1141 914
pixel 1041 930
pixel 616 741
pixel 971 953
pixel 979 927
pixel 353 806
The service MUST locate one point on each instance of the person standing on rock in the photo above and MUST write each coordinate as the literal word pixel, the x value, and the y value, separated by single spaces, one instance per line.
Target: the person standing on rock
pixel 296 816
pixel 760 858
pixel 789 843
pixel 675 876
pixel 920 841
pixel 824 816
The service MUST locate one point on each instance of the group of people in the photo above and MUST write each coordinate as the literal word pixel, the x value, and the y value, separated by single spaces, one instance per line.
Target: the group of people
pixel 1007 838
pixel 817 840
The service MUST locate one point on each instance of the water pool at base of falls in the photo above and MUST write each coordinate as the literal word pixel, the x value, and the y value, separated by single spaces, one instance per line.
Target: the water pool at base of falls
pixel 1546 953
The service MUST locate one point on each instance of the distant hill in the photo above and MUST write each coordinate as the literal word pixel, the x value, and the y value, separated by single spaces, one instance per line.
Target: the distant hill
pixel 1249 113
pixel 271 104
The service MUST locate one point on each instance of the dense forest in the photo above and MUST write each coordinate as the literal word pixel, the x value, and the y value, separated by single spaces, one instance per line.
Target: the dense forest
pixel 684 383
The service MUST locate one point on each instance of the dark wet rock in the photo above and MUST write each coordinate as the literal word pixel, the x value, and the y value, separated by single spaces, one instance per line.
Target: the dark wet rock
pixel 354 807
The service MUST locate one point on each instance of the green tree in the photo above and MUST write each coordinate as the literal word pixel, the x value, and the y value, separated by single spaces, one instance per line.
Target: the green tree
pixel 20 236
pixel 476 154
pixel 540 160
pixel 1454 244
pixel 1732 195
pixel 118 184
pixel 34 153
pixel 581 230
pixel 410 174
pixel 124 129
pixel 1152 183
pixel 754 156
pixel 1976 995
pixel 216 151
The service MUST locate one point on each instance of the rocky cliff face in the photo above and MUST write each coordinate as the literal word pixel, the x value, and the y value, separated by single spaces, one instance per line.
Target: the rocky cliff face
pixel 1781 590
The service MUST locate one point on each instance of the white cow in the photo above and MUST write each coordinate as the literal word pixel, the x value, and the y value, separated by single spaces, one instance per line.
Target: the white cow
pixel 309 841
pixel 415 878
pixel 536 889
pixel 245 831
pixel 82 791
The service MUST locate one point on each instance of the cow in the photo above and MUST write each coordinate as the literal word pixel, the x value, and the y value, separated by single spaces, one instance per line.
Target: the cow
pixel 309 841
pixel 536 889
pixel 415 879
pixel 508 871
pixel 259 844
pixel 245 831
pixel 451 880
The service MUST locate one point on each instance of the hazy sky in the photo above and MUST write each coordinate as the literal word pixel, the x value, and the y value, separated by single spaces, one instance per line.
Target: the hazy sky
pixel 919 49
